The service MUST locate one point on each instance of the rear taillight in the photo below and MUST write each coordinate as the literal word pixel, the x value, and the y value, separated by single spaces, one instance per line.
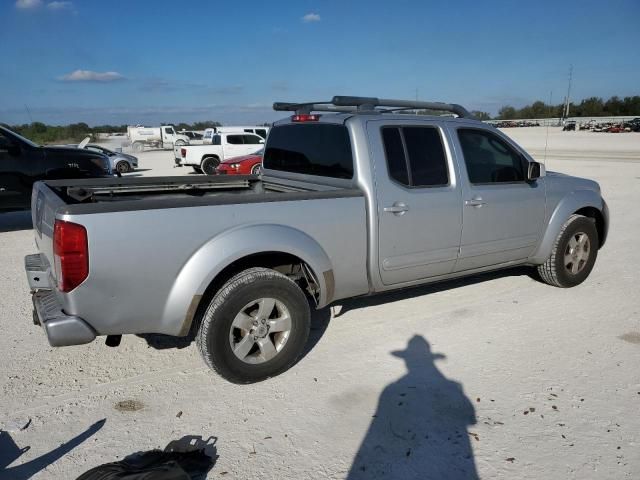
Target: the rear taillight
pixel 305 118
pixel 183 152
pixel 71 252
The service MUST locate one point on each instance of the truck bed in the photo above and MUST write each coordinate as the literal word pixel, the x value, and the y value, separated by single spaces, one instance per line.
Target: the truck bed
pixel 123 194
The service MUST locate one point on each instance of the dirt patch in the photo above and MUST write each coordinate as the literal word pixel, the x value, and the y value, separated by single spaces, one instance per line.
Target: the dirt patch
pixel 631 337
pixel 129 406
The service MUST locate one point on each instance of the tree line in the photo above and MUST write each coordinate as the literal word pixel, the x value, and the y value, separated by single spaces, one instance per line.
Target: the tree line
pixel 589 107
pixel 41 133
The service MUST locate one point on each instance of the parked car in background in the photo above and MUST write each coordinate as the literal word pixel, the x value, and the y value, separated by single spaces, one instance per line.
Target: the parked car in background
pixel 206 158
pixel 348 204
pixel 23 162
pixel 210 132
pixel 569 126
pixel 120 162
pixel 191 134
pixel 245 165
pixel 155 137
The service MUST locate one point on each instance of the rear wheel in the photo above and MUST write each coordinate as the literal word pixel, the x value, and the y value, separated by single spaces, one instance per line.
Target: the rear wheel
pixel 255 327
pixel 209 165
pixel 574 253
pixel 123 167
pixel 138 146
pixel 180 143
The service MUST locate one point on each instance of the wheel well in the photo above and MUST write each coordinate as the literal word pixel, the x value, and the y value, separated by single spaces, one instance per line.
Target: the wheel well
pixel 285 263
pixel 596 215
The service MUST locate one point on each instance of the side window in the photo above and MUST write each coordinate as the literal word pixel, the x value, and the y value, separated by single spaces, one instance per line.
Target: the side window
pixel 415 156
pixel 489 159
pixel 248 130
pixel 5 143
pixel 252 140
pixel 234 139
pixel 262 132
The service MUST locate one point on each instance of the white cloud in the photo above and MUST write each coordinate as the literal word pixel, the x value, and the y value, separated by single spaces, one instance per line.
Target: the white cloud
pixel 90 76
pixel 311 17
pixel 28 4
pixel 60 5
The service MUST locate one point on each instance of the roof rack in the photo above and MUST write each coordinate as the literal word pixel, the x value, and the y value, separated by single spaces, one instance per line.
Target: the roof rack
pixel 349 104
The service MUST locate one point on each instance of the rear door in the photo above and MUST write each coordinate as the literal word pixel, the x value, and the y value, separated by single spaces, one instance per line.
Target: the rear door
pixel 502 213
pixel 234 145
pixel 252 143
pixel 418 200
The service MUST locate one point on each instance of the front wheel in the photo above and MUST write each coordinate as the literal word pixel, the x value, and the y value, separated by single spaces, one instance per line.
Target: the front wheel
pixel 256 169
pixel 123 167
pixel 574 253
pixel 255 327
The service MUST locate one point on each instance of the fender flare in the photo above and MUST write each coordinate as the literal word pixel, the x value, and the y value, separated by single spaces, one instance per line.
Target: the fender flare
pixel 570 204
pixel 230 246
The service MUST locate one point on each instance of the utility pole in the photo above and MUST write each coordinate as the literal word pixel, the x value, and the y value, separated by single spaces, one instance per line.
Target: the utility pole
pixel 416 99
pixel 566 107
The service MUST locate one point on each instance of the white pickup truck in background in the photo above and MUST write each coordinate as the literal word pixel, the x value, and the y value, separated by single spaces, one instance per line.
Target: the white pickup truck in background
pixel 155 137
pixel 205 158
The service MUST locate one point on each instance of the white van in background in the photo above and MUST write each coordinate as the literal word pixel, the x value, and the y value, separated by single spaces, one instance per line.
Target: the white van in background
pixel 210 132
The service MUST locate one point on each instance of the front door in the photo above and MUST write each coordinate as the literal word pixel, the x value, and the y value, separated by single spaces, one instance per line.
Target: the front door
pixel 418 200
pixel 502 212
pixel 15 176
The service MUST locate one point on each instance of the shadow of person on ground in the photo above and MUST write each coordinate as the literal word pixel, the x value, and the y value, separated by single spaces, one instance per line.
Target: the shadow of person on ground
pixel 10 452
pixel 419 430
pixel 14 221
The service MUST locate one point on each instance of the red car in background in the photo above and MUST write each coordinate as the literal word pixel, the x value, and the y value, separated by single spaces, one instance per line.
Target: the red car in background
pixel 245 165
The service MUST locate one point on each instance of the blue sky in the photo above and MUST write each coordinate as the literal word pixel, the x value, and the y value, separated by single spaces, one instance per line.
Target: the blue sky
pixel 169 61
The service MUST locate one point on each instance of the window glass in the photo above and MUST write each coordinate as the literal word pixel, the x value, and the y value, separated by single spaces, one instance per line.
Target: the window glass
pixel 312 149
pixel 489 159
pixel 427 161
pixel 427 166
pixel 252 139
pixel 234 139
pixel 262 132
pixel 396 161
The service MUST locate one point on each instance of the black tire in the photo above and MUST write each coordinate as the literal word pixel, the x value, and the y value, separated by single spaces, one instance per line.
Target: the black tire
pixel 555 271
pixel 213 338
pixel 256 169
pixel 197 169
pixel 138 147
pixel 209 165
pixel 123 167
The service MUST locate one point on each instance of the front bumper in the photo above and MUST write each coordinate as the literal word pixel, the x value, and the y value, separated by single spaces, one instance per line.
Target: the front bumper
pixel 61 329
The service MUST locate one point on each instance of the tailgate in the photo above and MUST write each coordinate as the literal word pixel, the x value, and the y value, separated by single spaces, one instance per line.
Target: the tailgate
pixel 44 204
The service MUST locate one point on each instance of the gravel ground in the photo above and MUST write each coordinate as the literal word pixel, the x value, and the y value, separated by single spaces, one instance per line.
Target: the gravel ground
pixel 499 375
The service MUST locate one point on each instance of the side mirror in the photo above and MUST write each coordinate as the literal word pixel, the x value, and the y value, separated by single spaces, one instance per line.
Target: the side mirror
pixel 535 171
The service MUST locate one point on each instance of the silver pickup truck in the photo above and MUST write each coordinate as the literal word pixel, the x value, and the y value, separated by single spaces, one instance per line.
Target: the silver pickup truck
pixel 354 200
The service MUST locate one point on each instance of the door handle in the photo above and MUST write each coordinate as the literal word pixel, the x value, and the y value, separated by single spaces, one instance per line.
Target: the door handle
pixel 475 202
pixel 398 208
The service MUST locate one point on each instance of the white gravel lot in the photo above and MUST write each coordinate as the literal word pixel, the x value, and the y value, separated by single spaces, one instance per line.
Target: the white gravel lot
pixel 522 381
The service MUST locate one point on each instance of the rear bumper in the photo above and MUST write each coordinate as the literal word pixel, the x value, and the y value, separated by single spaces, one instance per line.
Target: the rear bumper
pixel 61 329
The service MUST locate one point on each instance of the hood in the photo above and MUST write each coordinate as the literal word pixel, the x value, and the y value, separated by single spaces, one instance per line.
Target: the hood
pixel 79 156
pixel 243 158
pixel 572 183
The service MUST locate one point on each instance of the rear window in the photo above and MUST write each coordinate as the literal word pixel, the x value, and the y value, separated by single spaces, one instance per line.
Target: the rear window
pixel 312 149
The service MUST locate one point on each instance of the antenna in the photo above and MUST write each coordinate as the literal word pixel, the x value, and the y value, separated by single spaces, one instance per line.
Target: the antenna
pixel 566 110
pixel 29 112
pixel 546 140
